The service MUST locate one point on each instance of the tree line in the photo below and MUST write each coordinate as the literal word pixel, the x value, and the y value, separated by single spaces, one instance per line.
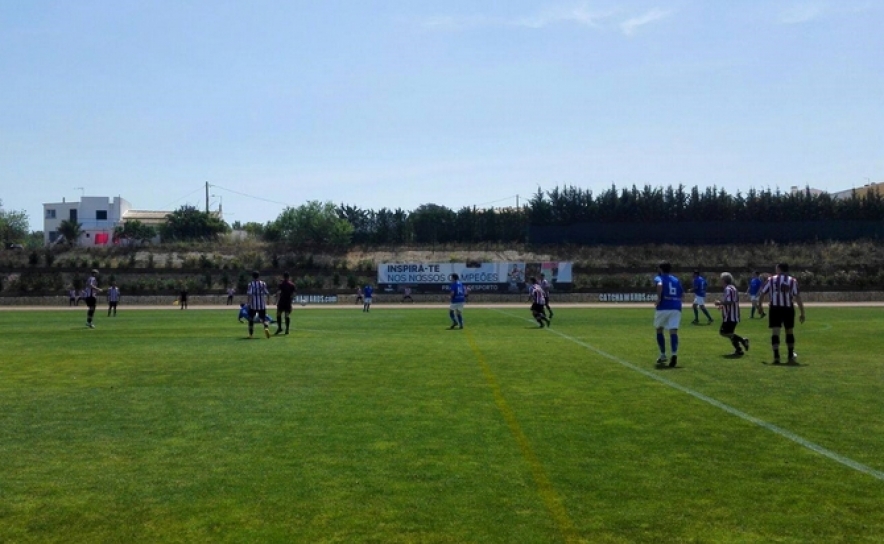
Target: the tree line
pixel 328 226
pixel 317 225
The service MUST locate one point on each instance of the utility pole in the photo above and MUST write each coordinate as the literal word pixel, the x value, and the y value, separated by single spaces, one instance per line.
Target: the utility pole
pixel 207 197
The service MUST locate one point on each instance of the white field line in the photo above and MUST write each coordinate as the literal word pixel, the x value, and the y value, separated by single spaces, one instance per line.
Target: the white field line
pixel 846 461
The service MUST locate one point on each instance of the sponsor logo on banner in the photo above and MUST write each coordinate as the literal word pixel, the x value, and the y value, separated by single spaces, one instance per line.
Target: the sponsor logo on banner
pixel 502 277
pixel 316 299
pixel 627 297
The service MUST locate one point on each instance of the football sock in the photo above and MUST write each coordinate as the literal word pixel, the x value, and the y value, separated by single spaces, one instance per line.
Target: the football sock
pixel 790 344
pixel 661 342
pixel 460 319
pixel 673 340
pixel 696 314
pixel 451 315
pixel 288 321
pixel 705 311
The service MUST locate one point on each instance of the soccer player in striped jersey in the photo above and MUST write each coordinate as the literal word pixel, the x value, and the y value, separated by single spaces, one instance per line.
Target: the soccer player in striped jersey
pixel 729 304
pixel 458 298
pixel 89 293
pixel 538 301
pixel 546 287
pixel 113 297
pixel 783 292
pixel 668 311
pixel 257 294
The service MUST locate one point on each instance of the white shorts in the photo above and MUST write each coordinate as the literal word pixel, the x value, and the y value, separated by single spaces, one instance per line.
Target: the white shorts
pixel 699 301
pixel 667 319
pixel 366 300
pixel 753 298
pixel 456 306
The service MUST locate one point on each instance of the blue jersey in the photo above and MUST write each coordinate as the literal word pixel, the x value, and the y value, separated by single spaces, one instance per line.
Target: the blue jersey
pixel 755 286
pixel 367 291
pixel 458 292
pixel 700 286
pixel 671 294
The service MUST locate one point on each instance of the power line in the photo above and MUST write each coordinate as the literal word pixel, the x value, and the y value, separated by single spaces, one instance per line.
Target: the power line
pixel 182 198
pixel 252 196
pixel 496 201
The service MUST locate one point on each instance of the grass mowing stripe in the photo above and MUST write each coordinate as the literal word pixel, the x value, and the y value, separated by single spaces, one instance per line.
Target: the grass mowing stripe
pixel 547 492
pixel 846 461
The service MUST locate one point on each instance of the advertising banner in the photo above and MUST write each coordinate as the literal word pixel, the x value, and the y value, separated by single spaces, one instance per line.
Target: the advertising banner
pixel 501 277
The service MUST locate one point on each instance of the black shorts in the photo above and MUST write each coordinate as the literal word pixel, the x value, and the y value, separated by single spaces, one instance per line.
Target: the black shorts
pixel 781 316
pixel 284 307
pixel 536 308
pixel 727 327
pixel 90 302
pixel 260 313
pixel 112 304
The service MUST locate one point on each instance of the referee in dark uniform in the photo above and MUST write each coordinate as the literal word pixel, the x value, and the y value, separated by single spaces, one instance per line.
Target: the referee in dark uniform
pixel 783 292
pixel 284 303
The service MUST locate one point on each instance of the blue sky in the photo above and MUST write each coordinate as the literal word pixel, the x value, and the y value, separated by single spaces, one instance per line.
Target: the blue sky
pixel 459 103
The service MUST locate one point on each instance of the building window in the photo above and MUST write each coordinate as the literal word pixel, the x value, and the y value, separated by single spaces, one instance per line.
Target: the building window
pixel 53 236
pixel 101 215
pixel 50 214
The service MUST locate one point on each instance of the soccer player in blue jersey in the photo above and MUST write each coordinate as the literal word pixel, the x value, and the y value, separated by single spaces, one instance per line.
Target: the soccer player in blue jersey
pixel 458 297
pixel 668 311
pixel 700 298
pixel 366 297
pixel 754 290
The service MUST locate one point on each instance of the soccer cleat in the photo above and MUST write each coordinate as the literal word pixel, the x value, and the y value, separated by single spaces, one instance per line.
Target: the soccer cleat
pixel 739 353
pixel 266 332
pixel 661 360
pixel 460 326
pixel 695 322
pixel 673 361
pixel 286 332
pixel 776 360
pixel 745 343
pixel 278 331
pixel 711 321
pixel 452 327
pixel 791 361
pixel 90 325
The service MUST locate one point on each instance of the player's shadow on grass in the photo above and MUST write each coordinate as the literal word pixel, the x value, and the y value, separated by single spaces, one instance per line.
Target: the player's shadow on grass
pixel 733 356
pixel 787 364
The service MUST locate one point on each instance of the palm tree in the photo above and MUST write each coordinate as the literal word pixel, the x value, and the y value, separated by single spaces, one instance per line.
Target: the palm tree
pixel 70 231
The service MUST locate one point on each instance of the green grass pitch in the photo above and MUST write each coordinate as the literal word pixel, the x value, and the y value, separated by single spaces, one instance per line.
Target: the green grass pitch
pixel 168 425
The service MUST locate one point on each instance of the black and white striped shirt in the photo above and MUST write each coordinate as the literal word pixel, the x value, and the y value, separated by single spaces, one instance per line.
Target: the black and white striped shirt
pixel 257 294
pixel 113 294
pixel 782 289
pixel 91 288
pixel 730 305
pixel 537 296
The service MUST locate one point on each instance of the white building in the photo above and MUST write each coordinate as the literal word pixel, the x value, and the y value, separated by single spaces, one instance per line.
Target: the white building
pixel 98 215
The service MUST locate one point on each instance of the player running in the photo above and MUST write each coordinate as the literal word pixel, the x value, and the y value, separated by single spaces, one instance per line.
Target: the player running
pixel 257 294
pixel 538 301
pixel 284 303
pixel 729 304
